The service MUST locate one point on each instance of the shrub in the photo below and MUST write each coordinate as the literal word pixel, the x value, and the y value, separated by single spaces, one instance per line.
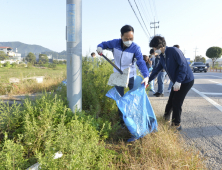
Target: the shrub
pixel 7 64
pixel 29 65
pixel 14 65
pixel 44 126
pixel 51 65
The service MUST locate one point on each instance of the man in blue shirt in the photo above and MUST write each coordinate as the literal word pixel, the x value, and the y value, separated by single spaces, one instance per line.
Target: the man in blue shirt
pixel 179 72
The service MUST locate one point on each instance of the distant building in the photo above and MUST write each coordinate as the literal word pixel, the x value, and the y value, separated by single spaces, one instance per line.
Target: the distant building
pixel 13 56
pixel 6 49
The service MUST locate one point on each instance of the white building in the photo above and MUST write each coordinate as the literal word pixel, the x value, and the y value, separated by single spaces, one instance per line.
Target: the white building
pixel 14 56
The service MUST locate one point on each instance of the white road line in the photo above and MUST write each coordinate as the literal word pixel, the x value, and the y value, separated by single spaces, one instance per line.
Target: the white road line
pixel 211 93
pixel 208 75
pixel 219 107
pixel 216 82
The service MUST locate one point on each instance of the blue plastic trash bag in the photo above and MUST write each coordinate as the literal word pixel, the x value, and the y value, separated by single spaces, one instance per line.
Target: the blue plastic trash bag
pixel 138 113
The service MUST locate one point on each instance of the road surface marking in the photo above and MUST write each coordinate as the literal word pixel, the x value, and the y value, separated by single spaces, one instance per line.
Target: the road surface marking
pixel 216 82
pixel 219 107
pixel 207 93
pixel 207 75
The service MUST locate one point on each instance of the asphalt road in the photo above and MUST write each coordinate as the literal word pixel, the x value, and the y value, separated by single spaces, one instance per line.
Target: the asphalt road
pixel 201 116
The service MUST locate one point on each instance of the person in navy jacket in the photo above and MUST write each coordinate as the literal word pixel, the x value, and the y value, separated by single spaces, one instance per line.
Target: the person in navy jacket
pixel 124 52
pixel 179 72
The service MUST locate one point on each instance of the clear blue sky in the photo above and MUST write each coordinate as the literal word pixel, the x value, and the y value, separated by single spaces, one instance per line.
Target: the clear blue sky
pixel 189 23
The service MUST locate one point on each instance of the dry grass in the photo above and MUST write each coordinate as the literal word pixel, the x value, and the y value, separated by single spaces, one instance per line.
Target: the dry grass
pixel 163 150
pixel 53 78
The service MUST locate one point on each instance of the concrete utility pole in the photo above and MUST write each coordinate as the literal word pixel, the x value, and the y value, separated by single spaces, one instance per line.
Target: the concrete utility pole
pixel 184 51
pixel 195 53
pixel 155 26
pixel 74 53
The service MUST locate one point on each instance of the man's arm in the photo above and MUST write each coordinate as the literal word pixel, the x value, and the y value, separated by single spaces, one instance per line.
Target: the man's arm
pixel 155 72
pixel 108 44
pixel 141 63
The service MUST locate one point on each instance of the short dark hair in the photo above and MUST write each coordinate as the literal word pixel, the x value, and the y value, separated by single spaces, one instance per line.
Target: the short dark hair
pixel 151 51
pixel 93 53
pixel 157 42
pixel 126 28
pixel 177 46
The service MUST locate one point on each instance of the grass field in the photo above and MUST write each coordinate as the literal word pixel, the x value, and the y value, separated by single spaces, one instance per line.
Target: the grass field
pixel 53 76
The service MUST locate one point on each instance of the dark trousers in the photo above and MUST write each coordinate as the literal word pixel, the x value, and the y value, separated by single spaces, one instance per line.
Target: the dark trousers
pixel 175 102
pixel 121 92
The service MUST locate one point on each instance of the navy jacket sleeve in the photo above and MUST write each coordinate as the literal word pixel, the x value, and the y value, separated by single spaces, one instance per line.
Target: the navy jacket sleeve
pixel 155 72
pixel 141 63
pixel 108 44
pixel 182 62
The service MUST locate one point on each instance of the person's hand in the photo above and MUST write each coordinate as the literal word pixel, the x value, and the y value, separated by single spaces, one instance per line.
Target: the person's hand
pixel 99 51
pixel 145 81
pixel 176 86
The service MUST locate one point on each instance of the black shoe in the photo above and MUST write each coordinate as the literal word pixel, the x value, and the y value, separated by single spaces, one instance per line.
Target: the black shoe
pixel 159 95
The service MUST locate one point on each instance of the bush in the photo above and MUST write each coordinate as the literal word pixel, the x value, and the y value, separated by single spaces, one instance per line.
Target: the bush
pixel 51 65
pixel 7 64
pixel 14 65
pixel 29 65
pixel 42 127
pixel 22 65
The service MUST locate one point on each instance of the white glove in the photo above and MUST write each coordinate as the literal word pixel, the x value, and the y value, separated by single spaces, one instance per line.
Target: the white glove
pixel 99 50
pixel 145 81
pixel 176 86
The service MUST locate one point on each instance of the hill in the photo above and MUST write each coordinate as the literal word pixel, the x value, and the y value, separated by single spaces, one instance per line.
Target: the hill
pixel 24 49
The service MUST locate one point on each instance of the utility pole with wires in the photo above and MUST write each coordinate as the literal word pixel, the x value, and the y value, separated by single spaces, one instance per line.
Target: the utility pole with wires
pixel 195 53
pixel 154 26
pixel 184 51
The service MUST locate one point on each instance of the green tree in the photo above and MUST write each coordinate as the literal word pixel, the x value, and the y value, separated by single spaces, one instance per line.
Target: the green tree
pixel 55 62
pixel 200 59
pixel 43 58
pixel 214 53
pixel 31 58
pixel 3 56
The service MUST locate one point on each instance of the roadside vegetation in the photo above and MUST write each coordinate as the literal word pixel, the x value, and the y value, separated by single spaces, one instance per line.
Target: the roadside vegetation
pixel 90 139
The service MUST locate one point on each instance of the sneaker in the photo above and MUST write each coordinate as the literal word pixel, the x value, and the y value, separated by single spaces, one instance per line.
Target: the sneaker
pixel 159 95
pixel 168 91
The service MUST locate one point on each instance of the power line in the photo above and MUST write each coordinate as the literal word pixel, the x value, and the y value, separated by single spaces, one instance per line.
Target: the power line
pixel 155 8
pixel 144 11
pixel 151 8
pixel 142 17
pixel 147 9
pixel 138 19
